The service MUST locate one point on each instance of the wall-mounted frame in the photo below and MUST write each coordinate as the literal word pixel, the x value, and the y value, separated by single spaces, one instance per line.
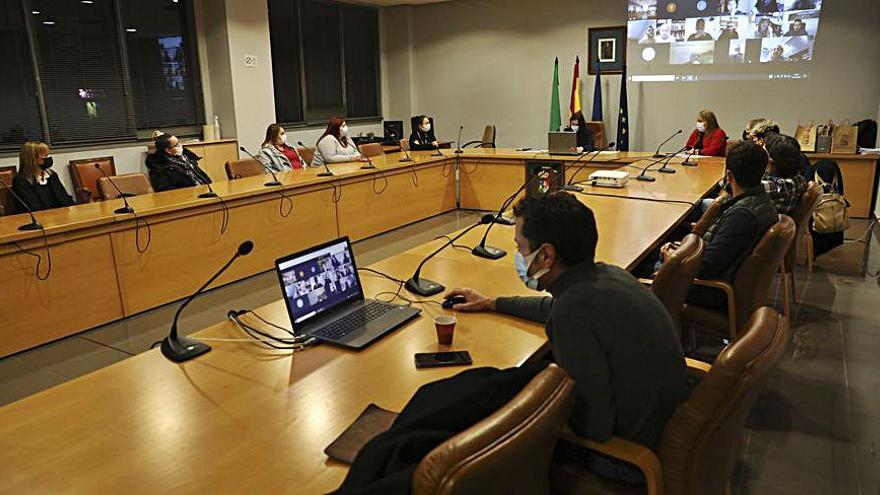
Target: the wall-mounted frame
pixel 607 50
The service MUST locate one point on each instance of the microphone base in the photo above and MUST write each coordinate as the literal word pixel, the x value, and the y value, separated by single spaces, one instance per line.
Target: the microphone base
pixel 124 209
pixel 659 155
pixel 208 195
pixel 573 188
pixel 368 167
pixel 404 160
pixel 183 349
pixel 645 178
pixel 459 151
pixel 424 287
pixel 666 170
pixel 437 154
pixel 273 183
pixel 325 174
pixel 502 220
pixel 31 226
pixel 489 252
pixel 688 164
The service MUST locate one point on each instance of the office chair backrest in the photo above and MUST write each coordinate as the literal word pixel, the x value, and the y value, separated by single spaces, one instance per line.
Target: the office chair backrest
pixel 801 217
pixel 307 154
pixel 236 169
pixel 673 281
pixel 7 202
pixel 508 452
pixel 705 221
pixel 130 184
pixel 753 280
pixel 489 137
pixel 371 149
pixel 85 176
pixel 598 128
pixel 404 144
pixel 700 445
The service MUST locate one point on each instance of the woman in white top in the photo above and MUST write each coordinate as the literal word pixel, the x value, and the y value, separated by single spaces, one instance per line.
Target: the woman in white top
pixel 334 145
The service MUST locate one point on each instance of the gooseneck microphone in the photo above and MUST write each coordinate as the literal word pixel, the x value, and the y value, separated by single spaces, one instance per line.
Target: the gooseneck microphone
pixel 438 152
pixel 458 143
pixel 571 186
pixel 34 225
pixel 407 157
pixel 326 172
pixel 274 182
pixel 489 252
pixel 425 287
pixel 125 209
pixel 657 154
pixel 666 169
pixel 369 165
pixel 180 349
pixel 647 178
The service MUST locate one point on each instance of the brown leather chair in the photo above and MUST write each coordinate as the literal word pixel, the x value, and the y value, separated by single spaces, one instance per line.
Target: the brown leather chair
pixel 236 169
pixel 489 137
pixel 751 286
pixel 7 202
pixel 801 216
pixel 701 441
pixel 85 176
pixel 371 149
pixel 702 226
pixel 508 452
pixel 307 154
pixel 599 138
pixel 404 144
pixel 673 282
pixel 130 184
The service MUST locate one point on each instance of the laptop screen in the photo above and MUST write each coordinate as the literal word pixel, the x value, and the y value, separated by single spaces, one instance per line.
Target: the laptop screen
pixel 318 280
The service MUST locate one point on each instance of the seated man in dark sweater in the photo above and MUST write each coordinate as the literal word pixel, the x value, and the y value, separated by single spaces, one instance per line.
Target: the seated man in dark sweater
pixel 738 226
pixel 611 334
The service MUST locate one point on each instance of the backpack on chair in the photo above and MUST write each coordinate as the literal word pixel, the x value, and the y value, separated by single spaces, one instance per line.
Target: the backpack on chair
pixel 831 214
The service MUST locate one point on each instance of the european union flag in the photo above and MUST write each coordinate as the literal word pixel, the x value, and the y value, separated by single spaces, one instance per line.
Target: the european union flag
pixel 623 117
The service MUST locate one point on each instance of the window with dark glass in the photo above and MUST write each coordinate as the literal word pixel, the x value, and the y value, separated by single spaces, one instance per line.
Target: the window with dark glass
pixel 162 63
pixel 20 115
pixel 325 60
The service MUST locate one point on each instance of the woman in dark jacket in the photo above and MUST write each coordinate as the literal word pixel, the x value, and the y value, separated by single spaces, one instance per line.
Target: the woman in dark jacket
pixel 422 137
pixel 585 139
pixel 829 172
pixel 35 183
pixel 172 167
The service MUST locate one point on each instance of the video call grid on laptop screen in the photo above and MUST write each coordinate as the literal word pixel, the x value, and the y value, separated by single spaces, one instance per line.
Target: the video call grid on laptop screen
pixel 319 281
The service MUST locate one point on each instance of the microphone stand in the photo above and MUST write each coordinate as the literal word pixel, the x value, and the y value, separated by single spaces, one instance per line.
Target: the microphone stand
pixel 369 165
pixel 648 178
pixel 425 287
pixel 180 349
pixel 274 182
pixel 666 169
pixel 489 252
pixel 34 225
pixel 458 143
pixel 660 155
pixel 125 209
pixel 573 187
pixel 687 162
pixel 407 157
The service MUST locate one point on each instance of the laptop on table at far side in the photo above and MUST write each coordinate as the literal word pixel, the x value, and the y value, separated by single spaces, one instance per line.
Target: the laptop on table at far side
pixel 562 143
pixel 325 299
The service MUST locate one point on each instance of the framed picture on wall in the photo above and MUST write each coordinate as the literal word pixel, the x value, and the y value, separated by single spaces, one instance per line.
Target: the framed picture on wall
pixel 607 50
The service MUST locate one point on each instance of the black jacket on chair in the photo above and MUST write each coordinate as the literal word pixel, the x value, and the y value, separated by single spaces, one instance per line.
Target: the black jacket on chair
pixel 41 197
pixel 173 172
pixel 421 141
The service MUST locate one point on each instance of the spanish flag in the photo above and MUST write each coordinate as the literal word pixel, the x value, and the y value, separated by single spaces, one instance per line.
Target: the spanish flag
pixel 575 105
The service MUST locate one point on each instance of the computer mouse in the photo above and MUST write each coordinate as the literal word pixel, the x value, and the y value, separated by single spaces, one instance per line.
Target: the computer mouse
pixel 449 302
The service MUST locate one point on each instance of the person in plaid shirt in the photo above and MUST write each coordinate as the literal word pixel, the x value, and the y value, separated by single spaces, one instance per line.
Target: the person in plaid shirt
pixel 783 181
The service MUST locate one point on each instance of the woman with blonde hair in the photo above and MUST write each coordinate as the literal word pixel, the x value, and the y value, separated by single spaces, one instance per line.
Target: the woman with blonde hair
pixel 708 139
pixel 35 183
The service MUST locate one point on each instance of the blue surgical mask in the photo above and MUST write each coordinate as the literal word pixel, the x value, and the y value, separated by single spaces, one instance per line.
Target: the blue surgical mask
pixel 523 263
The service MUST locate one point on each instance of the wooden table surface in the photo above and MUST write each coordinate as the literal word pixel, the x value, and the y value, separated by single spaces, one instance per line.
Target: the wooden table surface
pixel 242 419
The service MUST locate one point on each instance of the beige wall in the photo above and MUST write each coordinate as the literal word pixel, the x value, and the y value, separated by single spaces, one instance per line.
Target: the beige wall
pixel 479 61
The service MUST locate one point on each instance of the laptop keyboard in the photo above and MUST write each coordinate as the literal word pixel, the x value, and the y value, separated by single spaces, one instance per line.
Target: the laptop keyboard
pixel 353 321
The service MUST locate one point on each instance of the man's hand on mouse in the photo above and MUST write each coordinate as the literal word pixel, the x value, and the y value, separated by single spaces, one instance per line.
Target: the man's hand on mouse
pixel 474 301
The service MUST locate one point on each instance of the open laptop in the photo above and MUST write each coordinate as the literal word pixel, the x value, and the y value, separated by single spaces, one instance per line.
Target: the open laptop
pixel 325 300
pixel 561 143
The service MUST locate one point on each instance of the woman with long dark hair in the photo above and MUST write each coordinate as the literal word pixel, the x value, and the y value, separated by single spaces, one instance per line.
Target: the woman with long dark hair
pixel 335 146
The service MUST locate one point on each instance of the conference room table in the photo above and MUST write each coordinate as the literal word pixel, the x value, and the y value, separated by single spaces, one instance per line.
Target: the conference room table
pixel 245 419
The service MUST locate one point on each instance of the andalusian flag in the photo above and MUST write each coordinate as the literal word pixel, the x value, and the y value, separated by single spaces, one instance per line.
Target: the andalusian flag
pixel 555 115
pixel 575 103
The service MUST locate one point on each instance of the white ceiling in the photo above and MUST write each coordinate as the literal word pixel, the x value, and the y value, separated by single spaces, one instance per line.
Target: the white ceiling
pixel 389 3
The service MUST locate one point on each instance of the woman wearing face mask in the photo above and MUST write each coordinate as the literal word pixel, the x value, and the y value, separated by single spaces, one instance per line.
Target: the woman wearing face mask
pixel 276 153
pixel 578 124
pixel 422 137
pixel 708 139
pixel 335 145
pixel 35 183
pixel 173 167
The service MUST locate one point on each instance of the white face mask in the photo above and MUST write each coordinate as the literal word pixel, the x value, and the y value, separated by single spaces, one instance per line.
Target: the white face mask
pixel 177 150
pixel 344 130
pixel 701 126
pixel 426 127
pixel 575 128
pixel 522 265
pixel 284 139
